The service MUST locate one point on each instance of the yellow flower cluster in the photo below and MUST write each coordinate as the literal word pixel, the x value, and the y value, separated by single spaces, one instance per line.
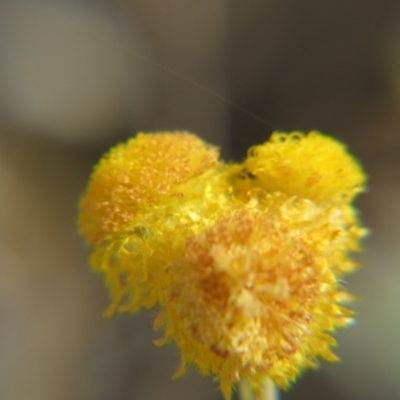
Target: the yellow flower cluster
pixel 244 260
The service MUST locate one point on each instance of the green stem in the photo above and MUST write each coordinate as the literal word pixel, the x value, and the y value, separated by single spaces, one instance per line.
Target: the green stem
pixel 247 393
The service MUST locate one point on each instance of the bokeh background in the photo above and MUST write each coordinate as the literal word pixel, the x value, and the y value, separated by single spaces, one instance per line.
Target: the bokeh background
pixel 79 76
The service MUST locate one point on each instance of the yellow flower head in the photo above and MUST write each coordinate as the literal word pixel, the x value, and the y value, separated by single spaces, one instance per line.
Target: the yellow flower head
pixel 311 166
pixel 245 260
pixel 256 295
pixel 137 174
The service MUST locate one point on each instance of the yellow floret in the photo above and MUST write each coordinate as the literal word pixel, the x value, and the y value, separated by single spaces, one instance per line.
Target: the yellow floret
pixel 311 166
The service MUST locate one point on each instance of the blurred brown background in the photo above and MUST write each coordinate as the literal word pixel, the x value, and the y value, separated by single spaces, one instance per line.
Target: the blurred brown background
pixel 78 76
